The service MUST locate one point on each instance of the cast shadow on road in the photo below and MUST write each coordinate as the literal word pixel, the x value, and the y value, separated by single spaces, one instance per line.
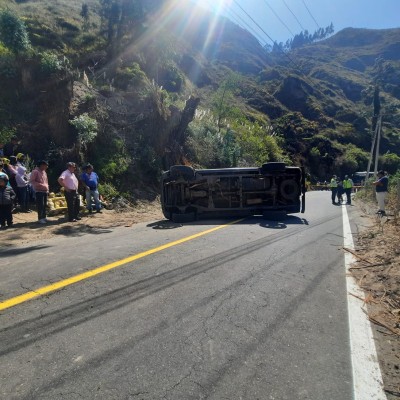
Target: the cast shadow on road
pixel 290 220
pixel 265 223
pixel 11 251
pixel 63 227
pixel 80 230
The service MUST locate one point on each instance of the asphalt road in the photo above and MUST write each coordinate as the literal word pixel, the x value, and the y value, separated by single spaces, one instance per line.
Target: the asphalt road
pixel 254 310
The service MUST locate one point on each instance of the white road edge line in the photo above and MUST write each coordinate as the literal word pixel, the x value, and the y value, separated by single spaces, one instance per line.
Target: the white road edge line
pixel 367 377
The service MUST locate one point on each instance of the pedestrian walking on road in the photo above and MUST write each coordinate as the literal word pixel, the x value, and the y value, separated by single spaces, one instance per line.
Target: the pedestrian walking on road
pixel 348 188
pixel 381 187
pixel 333 186
pixel 40 184
pixel 70 183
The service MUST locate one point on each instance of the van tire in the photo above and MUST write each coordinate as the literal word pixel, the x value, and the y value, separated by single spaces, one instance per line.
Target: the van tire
pixel 181 171
pixel 289 189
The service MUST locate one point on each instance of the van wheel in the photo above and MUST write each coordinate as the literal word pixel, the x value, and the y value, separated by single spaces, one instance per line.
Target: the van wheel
pixel 183 171
pixel 289 189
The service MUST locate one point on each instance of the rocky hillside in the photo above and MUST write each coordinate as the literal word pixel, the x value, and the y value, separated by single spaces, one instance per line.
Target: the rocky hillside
pixel 158 85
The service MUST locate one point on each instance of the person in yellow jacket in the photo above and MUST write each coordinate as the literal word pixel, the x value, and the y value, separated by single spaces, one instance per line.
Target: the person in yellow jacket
pixel 348 187
pixel 333 186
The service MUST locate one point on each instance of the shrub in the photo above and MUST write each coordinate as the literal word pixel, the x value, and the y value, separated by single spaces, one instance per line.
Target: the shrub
pixel 8 65
pixel 6 134
pixel 108 191
pixel 50 63
pixel 13 32
pixel 132 75
pixel 390 162
pixel 87 128
pixel 111 157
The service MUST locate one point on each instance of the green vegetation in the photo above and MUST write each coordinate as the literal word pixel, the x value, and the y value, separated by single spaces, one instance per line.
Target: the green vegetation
pixel 87 129
pixel 6 134
pixel 108 81
pixel 13 32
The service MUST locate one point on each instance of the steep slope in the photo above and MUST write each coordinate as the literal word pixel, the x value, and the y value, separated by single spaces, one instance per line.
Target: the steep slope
pixel 313 107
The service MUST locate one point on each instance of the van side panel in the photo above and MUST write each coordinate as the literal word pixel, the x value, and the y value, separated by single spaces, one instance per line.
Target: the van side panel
pixel 232 191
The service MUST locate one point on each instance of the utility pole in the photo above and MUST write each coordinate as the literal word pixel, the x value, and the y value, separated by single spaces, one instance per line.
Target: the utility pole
pixel 378 142
pixel 371 154
pixel 376 139
pixel 376 127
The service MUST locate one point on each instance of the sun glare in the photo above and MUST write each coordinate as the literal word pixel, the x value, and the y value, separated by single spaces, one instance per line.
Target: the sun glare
pixel 216 6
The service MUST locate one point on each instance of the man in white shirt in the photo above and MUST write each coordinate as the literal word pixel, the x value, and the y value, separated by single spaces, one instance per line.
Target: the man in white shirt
pixel 69 182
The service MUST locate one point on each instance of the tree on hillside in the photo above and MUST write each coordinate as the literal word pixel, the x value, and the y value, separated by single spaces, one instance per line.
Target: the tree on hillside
pixel 303 38
pixel 13 32
pixel 85 16
pixel 223 98
pixel 120 16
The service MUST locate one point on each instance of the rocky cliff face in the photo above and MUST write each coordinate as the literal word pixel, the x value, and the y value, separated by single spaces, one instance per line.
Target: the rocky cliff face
pixel 140 97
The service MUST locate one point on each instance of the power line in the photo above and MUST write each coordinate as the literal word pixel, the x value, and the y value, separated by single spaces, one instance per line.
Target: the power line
pixel 237 17
pixel 265 33
pixel 305 5
pixel 298 68
pixel 294 15
pixel 256 34
pixel 306 78
pixel 280 19
pixel 255 22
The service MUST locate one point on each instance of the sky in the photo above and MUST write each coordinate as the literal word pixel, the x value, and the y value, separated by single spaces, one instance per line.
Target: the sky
pixel 273 15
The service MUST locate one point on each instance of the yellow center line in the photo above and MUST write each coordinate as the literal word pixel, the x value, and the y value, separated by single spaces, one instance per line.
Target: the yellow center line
pixel 89 274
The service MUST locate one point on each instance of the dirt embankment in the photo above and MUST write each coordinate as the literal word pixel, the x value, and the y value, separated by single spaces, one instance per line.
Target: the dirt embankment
pixel 377 271
pixel 26 229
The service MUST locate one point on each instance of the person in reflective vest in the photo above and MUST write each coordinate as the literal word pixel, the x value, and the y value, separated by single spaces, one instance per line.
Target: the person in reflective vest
pixel 333 186
pixel 347 187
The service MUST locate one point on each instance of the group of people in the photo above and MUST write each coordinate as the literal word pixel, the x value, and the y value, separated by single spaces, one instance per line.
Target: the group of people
pixel 338 188
pixel 69 181
pixel 18 186
pixel 341 187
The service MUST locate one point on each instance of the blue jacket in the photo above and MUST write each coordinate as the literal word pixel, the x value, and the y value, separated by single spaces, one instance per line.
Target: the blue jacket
pixel 91 180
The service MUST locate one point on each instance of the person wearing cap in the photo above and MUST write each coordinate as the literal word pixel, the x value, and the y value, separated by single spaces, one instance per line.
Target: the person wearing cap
pixel 348 187
pixel 91 181
pixel 7 197
pixel 40 185
pixel 20 159
pixel 333 186
pixel 70 183
pixel 2 167
pixel 381 188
